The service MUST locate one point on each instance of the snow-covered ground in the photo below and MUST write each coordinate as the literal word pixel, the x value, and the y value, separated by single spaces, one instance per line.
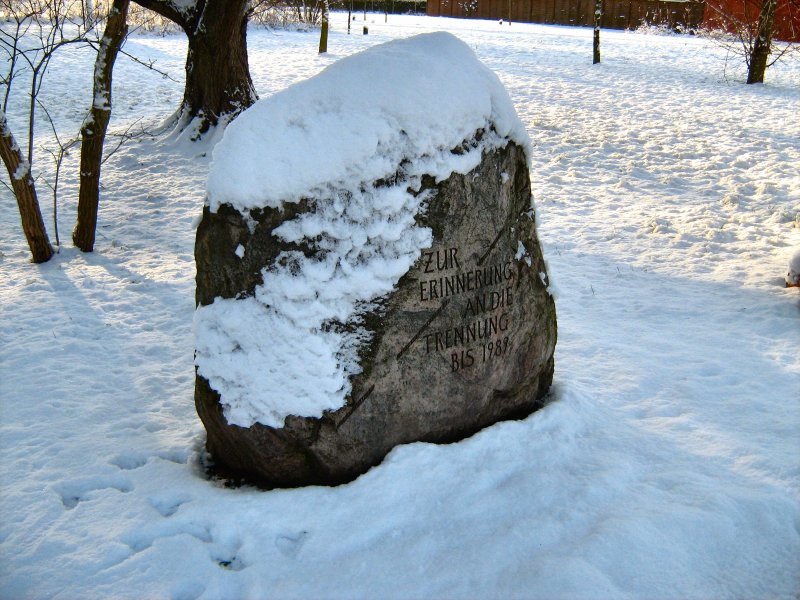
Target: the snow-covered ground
pixel 666 466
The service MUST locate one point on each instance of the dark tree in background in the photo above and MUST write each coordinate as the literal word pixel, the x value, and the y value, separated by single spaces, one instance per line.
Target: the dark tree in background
pixel 218 79
pixel 323 33
pixel 755 25
pixel 19 171
pixel 93 132
pixel 33 33
pixel 218 84
pixel 598 14
pixel 761 44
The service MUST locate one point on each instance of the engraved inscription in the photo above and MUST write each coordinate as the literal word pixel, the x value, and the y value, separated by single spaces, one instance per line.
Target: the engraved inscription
pixel 482 298
pixel 440 260
pixel 453 284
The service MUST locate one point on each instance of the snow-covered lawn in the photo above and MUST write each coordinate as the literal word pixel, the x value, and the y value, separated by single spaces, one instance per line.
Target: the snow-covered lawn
pixel 667 464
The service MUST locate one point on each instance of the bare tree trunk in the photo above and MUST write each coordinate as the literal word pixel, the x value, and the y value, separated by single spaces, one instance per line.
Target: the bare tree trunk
pixel 19 171
pixel 598 13
pixel 93 132
pixel 323 34
pixel 762 43
pixel 217 72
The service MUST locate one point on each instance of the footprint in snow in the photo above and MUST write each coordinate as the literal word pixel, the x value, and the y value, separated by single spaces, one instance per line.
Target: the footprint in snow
pixel 226 549
pixel 230 562
pixel 142 538
pixel 290 544
pixel 168 504
pixel 128 462
pixel 187 591
pixel 74 492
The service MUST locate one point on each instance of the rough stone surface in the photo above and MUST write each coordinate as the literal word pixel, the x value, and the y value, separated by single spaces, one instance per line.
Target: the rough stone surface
pixel 465 340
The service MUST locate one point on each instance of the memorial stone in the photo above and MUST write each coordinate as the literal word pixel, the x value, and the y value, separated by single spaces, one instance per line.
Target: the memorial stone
pixel 399 301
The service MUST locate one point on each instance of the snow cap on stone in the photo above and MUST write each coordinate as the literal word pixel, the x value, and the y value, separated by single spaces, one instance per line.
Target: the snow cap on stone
pixel 358 120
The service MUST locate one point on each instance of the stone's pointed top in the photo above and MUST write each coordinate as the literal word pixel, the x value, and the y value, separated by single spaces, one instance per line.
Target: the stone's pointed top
pixel 349 124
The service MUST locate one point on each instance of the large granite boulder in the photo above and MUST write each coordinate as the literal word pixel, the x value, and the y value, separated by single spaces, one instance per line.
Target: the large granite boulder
pixel 398 301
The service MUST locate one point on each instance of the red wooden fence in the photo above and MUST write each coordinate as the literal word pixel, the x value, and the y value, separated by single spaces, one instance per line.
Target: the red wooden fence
pixel 618 14
pixel 729 15
pixel 627 14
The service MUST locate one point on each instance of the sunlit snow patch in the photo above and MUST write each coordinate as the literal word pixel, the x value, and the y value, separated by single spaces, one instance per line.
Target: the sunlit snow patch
pixel 391 115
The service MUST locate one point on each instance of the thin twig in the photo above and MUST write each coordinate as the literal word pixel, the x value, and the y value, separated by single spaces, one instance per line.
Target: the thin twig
pixel 124 137
pixel 63 149
pixel 146 64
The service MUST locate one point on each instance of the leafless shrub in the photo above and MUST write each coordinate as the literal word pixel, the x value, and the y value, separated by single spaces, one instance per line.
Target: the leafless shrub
pixel 286 14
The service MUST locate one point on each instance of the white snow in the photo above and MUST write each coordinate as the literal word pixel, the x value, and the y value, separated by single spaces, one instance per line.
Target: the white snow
pixel 264 365
pixel 523 254
pixel 665 466
pixel 102 96
pixel 22 171
pixel 793 275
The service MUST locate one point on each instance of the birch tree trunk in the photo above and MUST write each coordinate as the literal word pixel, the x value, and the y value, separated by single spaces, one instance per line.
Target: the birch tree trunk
pixel 19 171
pixel 93 132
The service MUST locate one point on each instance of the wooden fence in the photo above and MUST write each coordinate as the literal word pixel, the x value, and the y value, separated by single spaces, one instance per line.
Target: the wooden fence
pixel 730 15
pixel 617 14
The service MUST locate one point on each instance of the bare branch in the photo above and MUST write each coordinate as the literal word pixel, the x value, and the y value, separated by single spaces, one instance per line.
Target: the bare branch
pixel 58 159
pixel 146 64
pixel 149 65
pixel 170 11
